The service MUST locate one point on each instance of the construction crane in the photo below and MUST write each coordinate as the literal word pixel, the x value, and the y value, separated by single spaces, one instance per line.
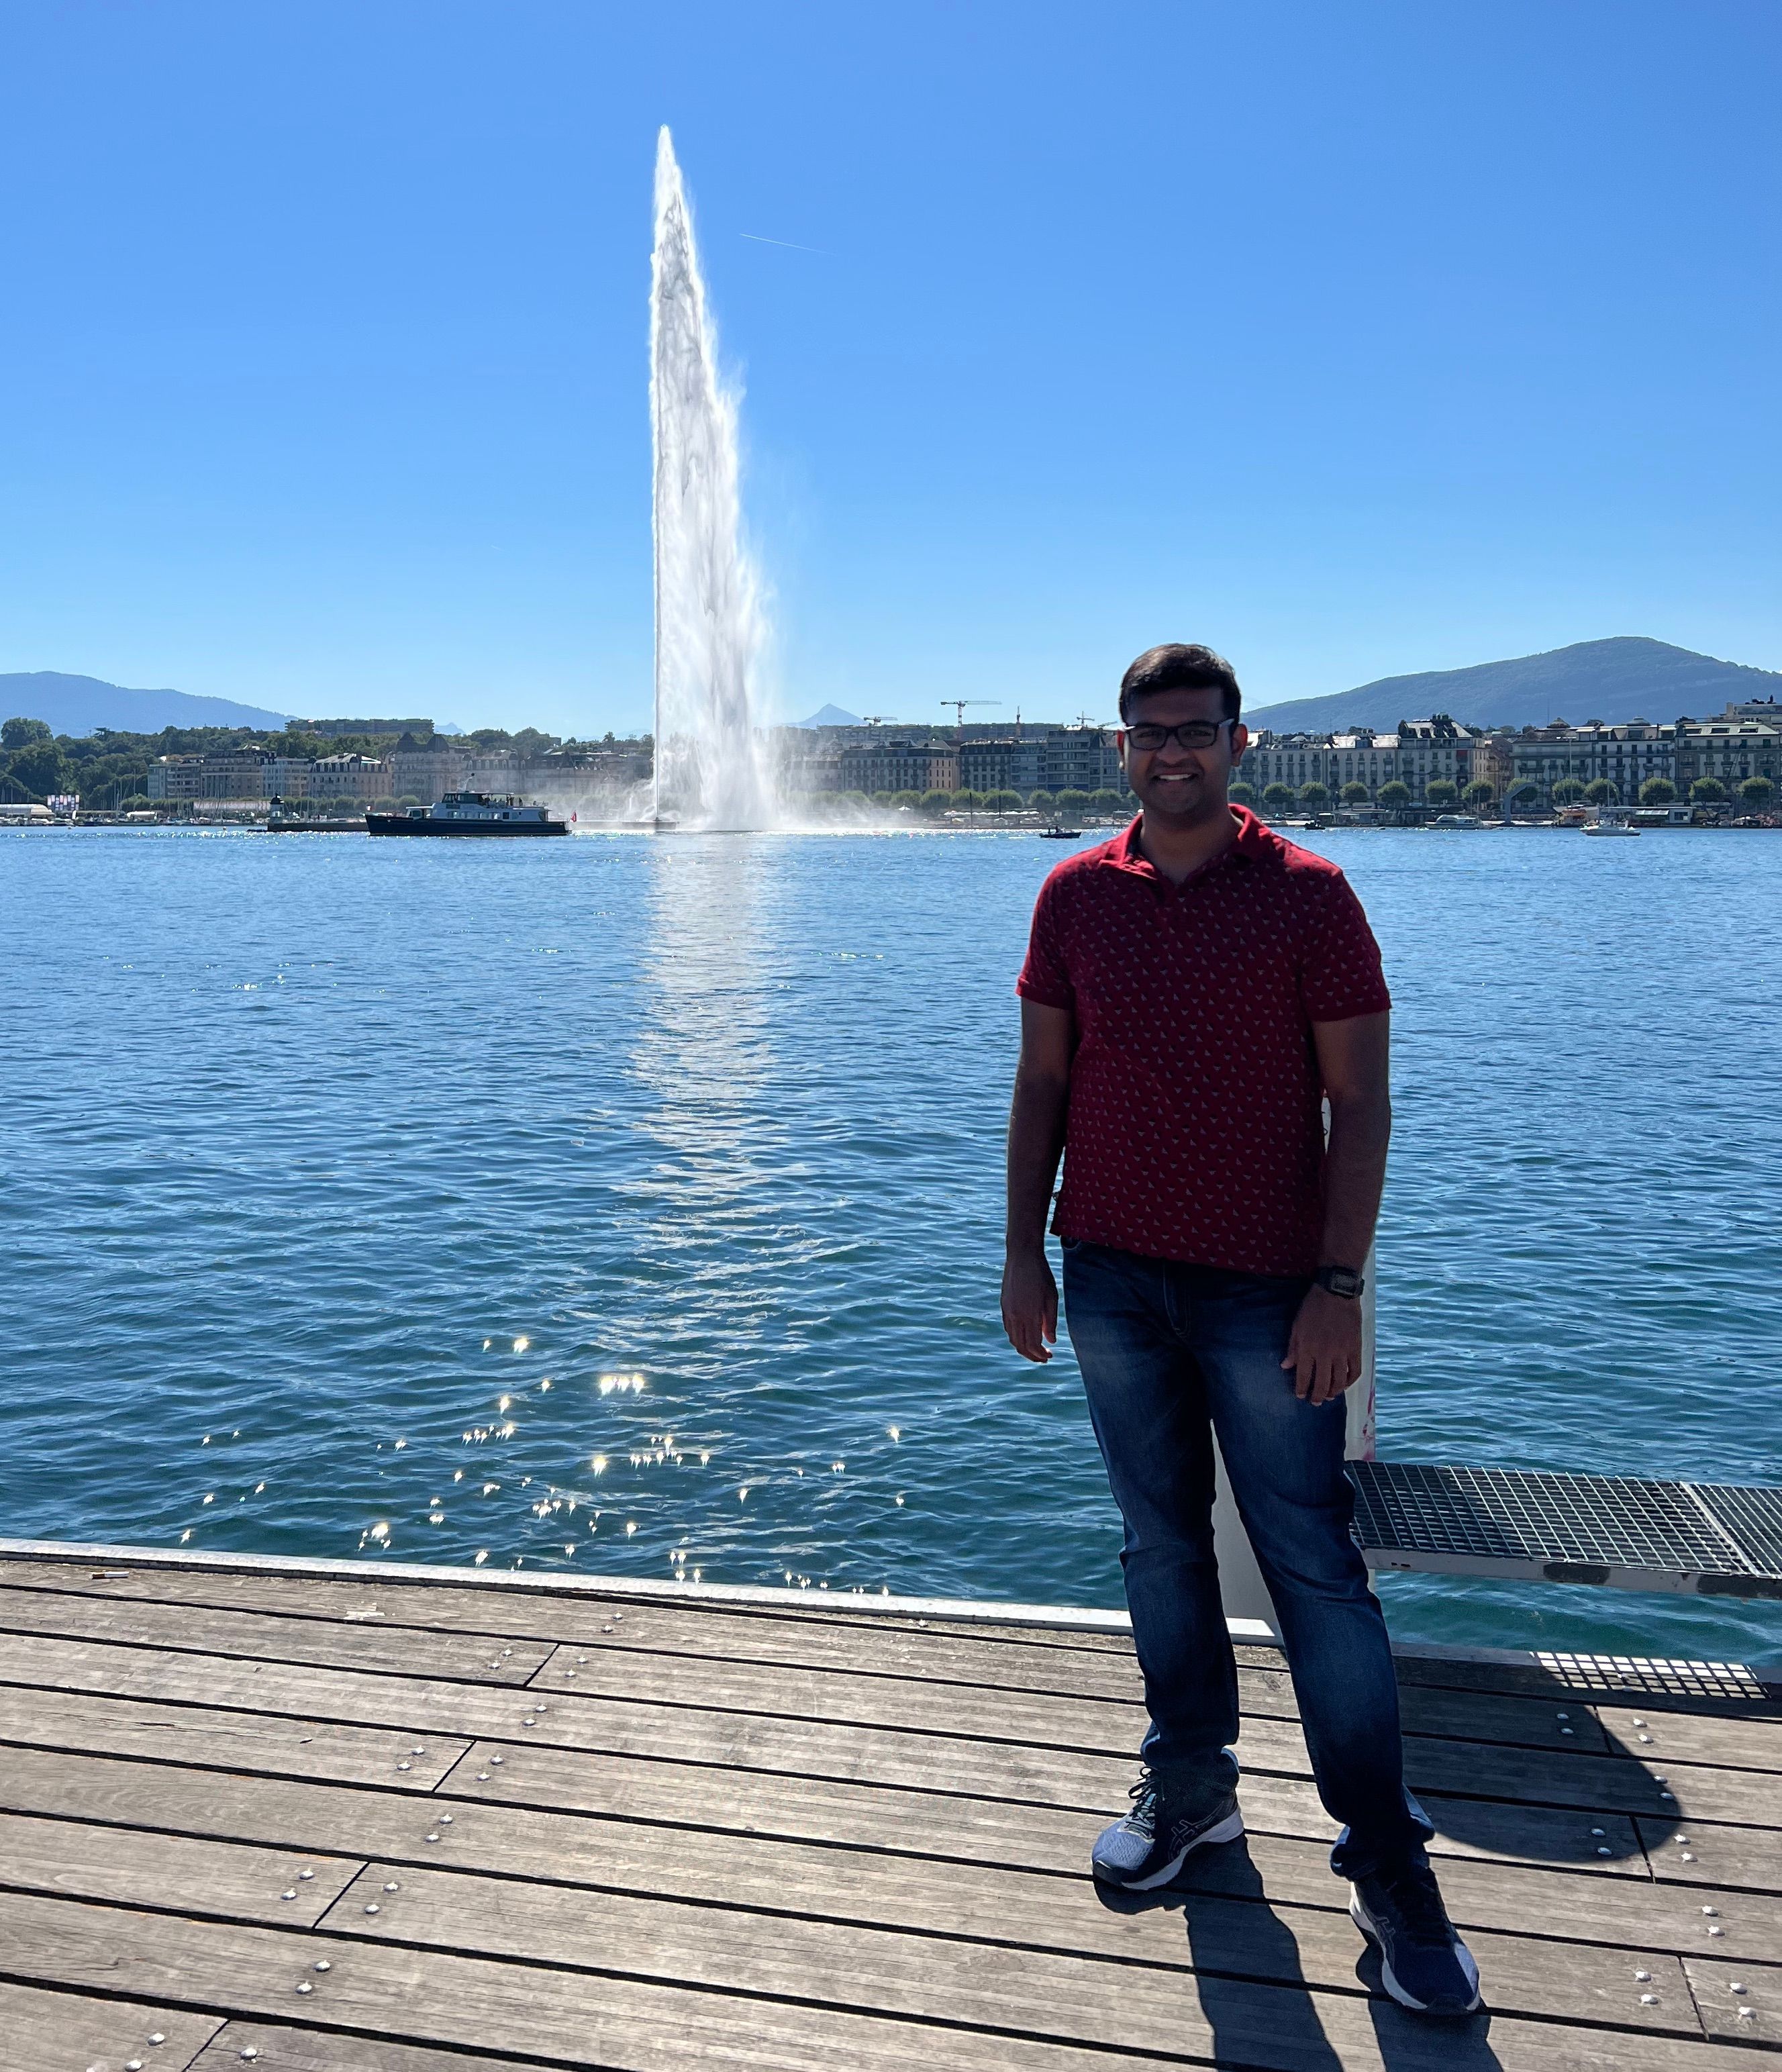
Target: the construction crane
pixel 878 719
pixel 959 705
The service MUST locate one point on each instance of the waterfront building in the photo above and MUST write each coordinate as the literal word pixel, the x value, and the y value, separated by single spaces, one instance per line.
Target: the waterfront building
pixel 1047 758
pixel 349 777
pixel 899 765
pixel 239 774
pixel 1415 754
pixel 1729 749
pixel 427 769
pixel 1545 756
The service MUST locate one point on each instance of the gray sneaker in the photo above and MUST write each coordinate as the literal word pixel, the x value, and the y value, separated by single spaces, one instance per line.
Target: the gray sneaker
pixel 1174 1811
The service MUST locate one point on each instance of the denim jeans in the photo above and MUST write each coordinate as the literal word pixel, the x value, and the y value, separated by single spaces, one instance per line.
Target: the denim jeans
pixel 1170 1354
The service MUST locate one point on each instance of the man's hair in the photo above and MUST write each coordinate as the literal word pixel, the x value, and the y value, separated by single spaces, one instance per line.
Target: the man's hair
pixel 1175 667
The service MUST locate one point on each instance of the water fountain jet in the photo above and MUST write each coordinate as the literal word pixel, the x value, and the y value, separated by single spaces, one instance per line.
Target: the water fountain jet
pixel 710 769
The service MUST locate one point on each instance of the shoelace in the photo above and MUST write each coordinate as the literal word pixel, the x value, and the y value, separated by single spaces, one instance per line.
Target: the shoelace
pixel 1143 1795
pixel 1413 1891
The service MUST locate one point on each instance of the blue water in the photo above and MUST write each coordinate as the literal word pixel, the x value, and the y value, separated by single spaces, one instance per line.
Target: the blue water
pixel 634 1205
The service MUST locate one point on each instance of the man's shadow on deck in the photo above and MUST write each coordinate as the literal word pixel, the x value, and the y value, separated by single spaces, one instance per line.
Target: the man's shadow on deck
pixel 1250 1979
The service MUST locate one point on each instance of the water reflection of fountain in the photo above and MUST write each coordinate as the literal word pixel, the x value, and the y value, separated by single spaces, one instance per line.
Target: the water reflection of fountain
pixel 704 1054
pixel 711 770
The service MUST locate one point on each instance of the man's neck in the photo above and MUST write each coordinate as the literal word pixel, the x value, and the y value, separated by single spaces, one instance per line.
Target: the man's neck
pixel 1176 851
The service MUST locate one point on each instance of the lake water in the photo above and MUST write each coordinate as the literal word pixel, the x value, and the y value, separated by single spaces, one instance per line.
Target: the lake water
pixel 634 1205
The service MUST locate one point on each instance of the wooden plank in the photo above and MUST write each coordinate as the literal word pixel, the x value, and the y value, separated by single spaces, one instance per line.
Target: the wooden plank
pixel 999 1769
pixel 1662 1738
pixel 260 1636
pixel 577 2019
pixel 1137 2003
pixel 956 1656
pixel 1607 1783
pixel 1483 1892
pixel 1044 1910
pixel 312 2050
pixel 42 2031
pixel 423 1997
pixel 977 1830
pixel 846 1908
pixel 129 1867
pixel 1021 1776
pixel 900 1756
pixel 769 1690
pixel 1276 1745
pixel 489 1604
pixel 1702 1853
pixel 235 1740
pixel 1731 2015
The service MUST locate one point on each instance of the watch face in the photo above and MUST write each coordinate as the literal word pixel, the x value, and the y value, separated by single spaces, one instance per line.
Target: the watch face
pixel 1339 1280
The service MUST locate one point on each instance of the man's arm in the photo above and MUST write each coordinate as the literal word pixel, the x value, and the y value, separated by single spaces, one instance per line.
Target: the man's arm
pixel 1324 1351
pixel 1036 1137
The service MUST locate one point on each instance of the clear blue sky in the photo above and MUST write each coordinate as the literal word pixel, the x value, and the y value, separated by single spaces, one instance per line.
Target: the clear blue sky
pixel 1354 339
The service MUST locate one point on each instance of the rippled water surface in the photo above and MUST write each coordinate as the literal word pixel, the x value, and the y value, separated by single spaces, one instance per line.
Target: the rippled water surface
pixel 634 1205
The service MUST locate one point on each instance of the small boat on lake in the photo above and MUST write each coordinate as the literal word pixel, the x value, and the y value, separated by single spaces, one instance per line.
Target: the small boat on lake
pixel 468 813
pixel 1061 834
pixel 1455 823
pixel 1610 824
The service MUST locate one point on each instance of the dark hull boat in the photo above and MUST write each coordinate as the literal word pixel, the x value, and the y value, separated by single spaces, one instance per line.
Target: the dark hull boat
pixel 474 813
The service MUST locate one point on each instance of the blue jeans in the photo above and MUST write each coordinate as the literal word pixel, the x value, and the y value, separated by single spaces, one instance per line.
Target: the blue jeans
pixel 1170 1354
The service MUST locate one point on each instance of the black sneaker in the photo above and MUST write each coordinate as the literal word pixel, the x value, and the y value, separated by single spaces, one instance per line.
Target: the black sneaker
pixel 1174 1811
pixel 1424 1964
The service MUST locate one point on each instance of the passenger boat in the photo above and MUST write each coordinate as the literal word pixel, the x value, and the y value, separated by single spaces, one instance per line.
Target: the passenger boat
pixel 468 813
pixel 1456 823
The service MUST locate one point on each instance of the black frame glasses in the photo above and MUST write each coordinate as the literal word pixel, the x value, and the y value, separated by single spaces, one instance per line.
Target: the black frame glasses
pixel 1191 733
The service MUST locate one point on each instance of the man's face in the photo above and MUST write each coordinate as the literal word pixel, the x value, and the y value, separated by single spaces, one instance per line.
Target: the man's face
pixel 1181 784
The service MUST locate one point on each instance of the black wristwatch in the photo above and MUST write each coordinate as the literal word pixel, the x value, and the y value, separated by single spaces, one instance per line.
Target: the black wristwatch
pixel 1340 1280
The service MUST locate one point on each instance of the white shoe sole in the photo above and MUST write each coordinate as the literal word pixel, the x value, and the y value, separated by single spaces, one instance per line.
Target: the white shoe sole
pixel 1389 1978
pixel 1227 1830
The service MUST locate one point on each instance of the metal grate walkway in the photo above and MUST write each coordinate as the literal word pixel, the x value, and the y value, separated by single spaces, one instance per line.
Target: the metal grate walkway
pixel 1702 1537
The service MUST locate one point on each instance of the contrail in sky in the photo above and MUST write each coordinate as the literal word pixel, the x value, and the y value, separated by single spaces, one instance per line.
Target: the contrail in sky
pixel 784 243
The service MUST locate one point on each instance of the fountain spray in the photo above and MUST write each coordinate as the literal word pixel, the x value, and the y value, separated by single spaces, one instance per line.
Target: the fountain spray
pixel 711 770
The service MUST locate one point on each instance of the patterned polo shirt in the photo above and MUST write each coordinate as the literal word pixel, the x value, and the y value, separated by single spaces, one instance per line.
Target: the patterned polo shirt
pixel 1196 1128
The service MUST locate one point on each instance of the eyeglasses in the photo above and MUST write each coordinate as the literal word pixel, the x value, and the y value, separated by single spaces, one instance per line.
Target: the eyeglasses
pixel 1191 733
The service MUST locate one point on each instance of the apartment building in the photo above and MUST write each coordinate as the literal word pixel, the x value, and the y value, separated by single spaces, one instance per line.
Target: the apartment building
pixel 1417 753
pixel 1729 749
pixel 898 766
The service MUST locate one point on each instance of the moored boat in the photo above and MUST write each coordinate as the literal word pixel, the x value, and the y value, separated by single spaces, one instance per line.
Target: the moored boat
pixel 468 813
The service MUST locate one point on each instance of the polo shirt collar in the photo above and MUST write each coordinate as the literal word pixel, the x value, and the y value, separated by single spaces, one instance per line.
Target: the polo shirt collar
pixel 1257 842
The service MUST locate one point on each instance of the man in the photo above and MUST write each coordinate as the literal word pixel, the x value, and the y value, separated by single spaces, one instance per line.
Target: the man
pixel 1194 990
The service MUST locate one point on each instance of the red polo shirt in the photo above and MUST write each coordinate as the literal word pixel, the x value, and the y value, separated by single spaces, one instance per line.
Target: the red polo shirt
pixel 1195 1125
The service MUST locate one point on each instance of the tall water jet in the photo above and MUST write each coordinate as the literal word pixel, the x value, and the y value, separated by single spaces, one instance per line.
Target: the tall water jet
pixel 710 769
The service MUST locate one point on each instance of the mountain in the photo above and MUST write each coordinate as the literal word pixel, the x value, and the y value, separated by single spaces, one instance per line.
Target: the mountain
pixel 78 705
pixel 1612 680
pixel 830 715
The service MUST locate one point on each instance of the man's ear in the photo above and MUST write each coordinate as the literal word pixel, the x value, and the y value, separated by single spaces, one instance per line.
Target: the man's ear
pixel 1240 740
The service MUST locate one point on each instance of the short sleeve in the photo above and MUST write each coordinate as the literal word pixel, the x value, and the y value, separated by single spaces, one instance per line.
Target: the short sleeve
pixel 1340 977
pixel 1045 976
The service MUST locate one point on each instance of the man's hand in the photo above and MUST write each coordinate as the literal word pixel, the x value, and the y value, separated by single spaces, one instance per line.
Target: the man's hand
pixel 1030 1304
pixel 1325 1351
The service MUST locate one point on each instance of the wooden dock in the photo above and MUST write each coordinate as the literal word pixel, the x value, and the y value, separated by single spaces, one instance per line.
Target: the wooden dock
pixel 373 1823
